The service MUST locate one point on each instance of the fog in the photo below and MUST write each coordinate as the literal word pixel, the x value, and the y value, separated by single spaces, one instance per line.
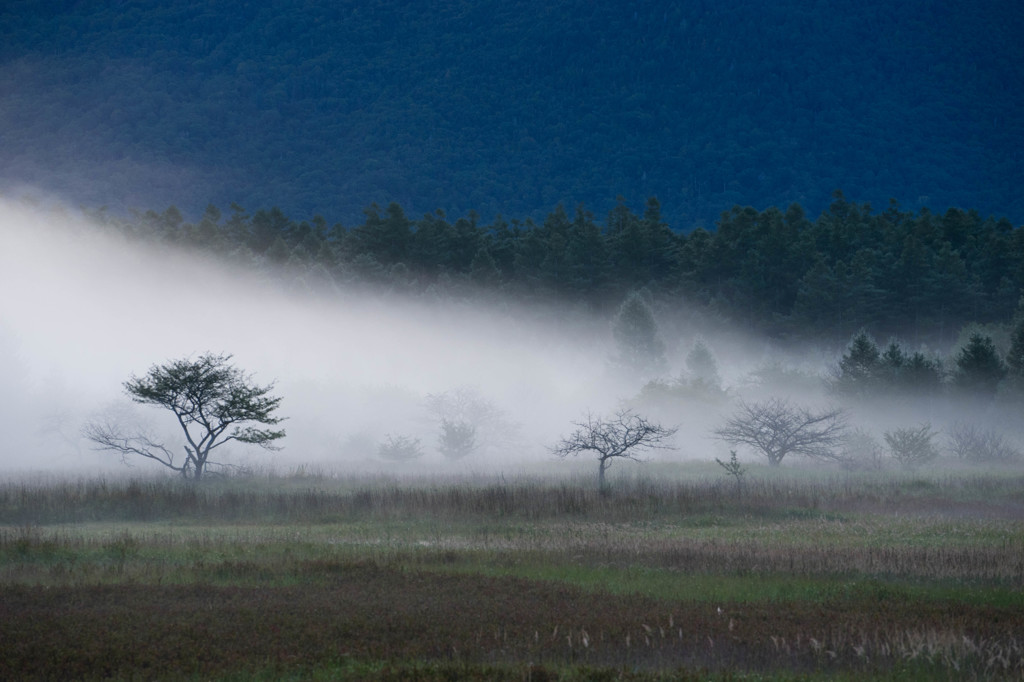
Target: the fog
pixel 83 309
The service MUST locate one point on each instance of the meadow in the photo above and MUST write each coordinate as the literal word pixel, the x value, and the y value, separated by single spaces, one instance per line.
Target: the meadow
pixel 677 574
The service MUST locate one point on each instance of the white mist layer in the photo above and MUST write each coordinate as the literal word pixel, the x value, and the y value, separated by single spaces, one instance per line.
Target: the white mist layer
pixel 82 310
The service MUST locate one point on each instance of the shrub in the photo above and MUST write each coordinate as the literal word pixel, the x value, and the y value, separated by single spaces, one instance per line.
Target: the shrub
pixel 977 444
pixel 458 439
pixel 399 448
pixel 861 450
pixel 912 446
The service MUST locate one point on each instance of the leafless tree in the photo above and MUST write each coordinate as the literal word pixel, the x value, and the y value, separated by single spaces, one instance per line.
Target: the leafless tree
pixel 213 401
pixel 979 444
pixel 861 450
pixel 776 428
pixel 623 435
pixel 911 446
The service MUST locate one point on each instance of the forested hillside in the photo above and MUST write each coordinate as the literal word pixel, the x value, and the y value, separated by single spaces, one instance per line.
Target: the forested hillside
pixel 513 107
pixel 918 275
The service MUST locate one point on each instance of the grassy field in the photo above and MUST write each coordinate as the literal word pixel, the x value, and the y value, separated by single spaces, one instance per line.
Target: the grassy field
pixel 675 575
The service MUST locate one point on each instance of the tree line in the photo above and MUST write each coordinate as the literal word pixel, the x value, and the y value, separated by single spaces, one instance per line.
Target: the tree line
pixel 918 275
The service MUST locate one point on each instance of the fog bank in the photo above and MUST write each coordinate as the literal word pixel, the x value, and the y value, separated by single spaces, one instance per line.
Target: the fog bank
pixel 83 309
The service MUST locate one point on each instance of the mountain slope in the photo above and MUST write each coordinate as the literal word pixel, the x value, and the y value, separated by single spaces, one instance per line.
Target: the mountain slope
pixel 512 107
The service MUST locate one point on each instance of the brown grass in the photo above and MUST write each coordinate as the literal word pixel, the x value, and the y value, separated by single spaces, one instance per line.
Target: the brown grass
pixel 366 612
pixel 326 499
pixel 522 580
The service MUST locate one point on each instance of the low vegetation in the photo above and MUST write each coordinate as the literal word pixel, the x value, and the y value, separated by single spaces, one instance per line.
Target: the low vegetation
pixel 673 575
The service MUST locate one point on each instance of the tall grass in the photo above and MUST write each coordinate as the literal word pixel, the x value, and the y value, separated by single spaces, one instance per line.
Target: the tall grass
pixel 854 577
pixel 325 499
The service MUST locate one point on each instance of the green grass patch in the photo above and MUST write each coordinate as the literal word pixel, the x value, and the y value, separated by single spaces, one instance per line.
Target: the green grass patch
pixel 718 588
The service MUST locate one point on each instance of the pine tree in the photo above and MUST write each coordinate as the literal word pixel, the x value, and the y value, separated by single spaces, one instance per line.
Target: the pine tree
pixel 1015 356
pixel 278 253
pixel 702 366
pixel 921 374
pixel 979 369
pixel 640 349
pixel 207 233
pixel 483 270
pixel 267 227
pixel 586 256
pixel 891 364
pixel 385 238
pixel 859 367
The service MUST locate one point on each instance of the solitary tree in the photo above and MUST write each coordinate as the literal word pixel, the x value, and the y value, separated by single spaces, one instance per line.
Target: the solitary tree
pixel 214 402
pixel 777 428
pixel 623 435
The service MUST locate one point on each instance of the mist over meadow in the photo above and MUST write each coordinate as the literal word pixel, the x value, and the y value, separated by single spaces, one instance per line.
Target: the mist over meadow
pixel 92 309
pixel 511 339
pixel 90 303
pixel 509 217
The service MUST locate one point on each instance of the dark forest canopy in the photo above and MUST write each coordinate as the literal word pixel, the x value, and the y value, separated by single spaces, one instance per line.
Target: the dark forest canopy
pixel 512 106
pixel 917 274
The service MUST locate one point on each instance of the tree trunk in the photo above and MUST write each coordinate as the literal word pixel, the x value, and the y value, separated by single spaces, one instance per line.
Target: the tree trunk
pixel 199 464
pixel 600 477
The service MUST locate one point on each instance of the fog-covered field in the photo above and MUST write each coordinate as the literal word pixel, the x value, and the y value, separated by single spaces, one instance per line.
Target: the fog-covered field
pixel 337 556
pixel 84 308
pixel 81 311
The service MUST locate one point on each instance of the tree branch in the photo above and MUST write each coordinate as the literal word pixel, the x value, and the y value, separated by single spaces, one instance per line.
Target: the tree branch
pixel 108 437
pixel 777 428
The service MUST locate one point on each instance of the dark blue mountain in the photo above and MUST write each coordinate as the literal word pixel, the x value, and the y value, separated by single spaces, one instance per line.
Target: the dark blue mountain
pixel 513 106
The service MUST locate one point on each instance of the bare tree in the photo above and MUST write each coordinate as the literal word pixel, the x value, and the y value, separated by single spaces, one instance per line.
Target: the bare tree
pixel 776 428
pixel 212 400
pixel 979 444
pixel 911 446
pixel 861 450
pixel 622 435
